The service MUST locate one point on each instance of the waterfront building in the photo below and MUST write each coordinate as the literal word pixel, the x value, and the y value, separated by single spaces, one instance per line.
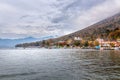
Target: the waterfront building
pixel 108 44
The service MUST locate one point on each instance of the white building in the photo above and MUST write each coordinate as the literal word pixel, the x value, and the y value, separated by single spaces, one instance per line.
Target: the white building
pixel 77 38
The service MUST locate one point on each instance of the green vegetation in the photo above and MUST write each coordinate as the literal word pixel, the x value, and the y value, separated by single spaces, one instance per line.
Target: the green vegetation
pixel 77 43
pixel 114 35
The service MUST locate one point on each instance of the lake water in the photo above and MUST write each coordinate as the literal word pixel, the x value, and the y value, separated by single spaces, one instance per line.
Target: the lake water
pixel 59 64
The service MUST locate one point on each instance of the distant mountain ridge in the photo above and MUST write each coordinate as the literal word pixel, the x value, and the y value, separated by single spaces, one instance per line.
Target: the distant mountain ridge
pixel 7 43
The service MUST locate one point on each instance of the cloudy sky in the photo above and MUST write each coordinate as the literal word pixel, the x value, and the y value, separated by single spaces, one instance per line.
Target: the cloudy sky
pixel 38 18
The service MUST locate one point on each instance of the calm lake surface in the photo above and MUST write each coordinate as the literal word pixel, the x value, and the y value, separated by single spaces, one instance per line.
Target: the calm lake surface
pixel 59 64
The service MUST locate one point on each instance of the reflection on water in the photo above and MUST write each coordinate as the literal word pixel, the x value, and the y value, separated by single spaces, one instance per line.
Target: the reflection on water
pixel 66 64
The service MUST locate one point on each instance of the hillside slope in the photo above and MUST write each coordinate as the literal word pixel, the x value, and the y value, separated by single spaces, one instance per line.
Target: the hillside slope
pixel 100 29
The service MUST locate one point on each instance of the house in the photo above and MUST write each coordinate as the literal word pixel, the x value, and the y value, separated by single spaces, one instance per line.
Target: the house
pixel 69 41
pixel 108 44
pixel 77 38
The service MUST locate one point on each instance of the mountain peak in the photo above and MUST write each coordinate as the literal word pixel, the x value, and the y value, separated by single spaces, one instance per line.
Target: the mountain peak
pixel 30 37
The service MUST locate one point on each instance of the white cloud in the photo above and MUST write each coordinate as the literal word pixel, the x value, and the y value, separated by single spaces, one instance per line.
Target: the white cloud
pixel 4 8
pixel 23 18
pixel 97 13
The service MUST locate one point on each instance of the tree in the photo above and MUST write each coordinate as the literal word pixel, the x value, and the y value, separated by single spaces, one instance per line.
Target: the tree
pixel 96 43
pixel 112 44
pixel 91 44
pixel 77 43
pixel 86 44
pixel 114 35
pixel 116 29
pixel 43 43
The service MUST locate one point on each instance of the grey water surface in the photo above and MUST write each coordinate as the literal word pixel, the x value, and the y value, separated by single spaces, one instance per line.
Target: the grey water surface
pixel 59 64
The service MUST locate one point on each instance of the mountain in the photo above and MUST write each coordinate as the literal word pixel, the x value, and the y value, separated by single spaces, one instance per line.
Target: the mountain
pixel 101 29
pixel 7 43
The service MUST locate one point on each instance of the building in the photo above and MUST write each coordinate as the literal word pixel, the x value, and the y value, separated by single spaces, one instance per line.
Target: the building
pixel 77 38
pixel 108 44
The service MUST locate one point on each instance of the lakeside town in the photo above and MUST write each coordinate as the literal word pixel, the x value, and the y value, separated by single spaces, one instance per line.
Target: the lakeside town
pixel 76 43
pixel 102 40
